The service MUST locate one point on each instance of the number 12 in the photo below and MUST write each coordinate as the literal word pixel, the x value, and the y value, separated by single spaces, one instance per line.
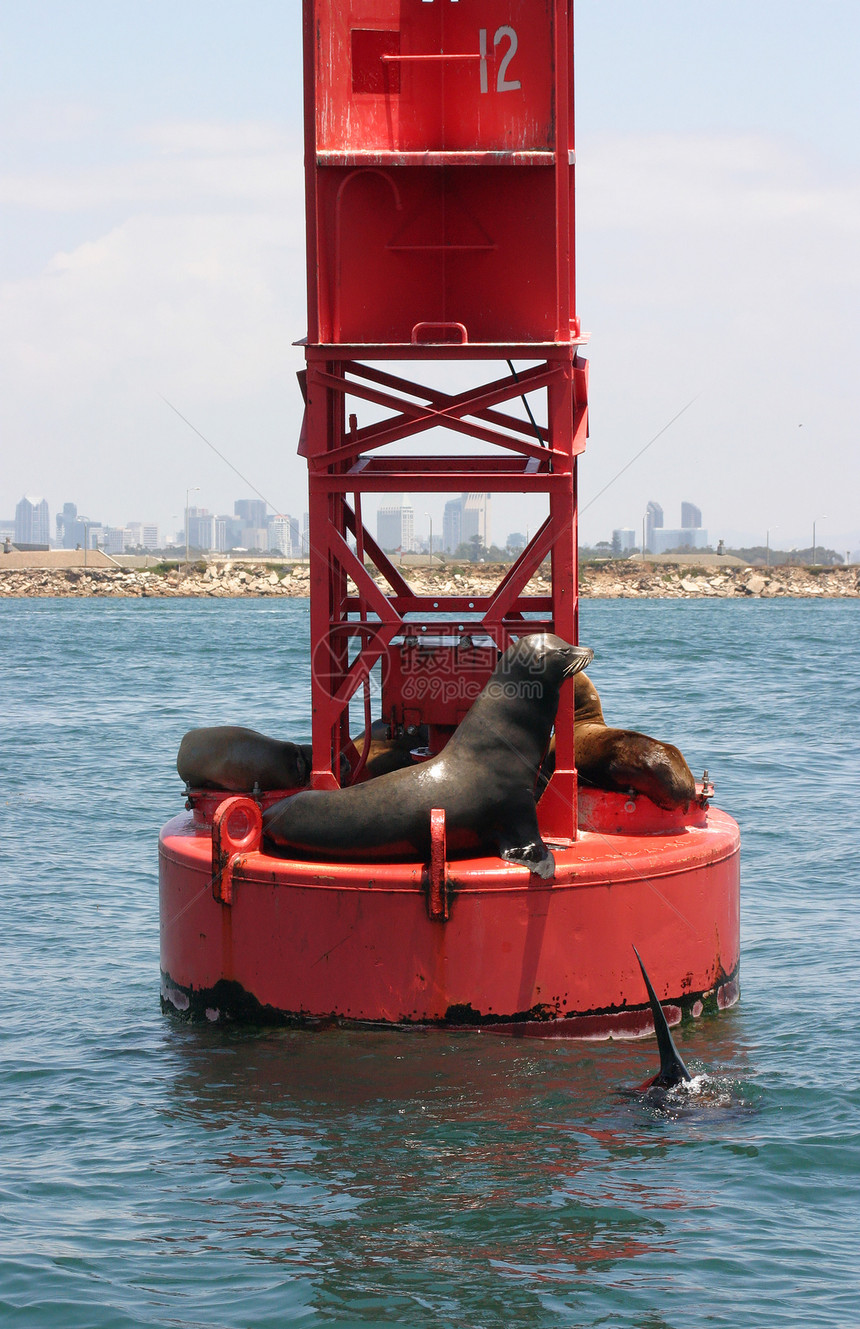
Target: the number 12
pixel 503 84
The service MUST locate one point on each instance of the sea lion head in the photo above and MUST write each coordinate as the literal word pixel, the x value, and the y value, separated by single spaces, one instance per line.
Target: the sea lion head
pixel 523 691
pixel 543 655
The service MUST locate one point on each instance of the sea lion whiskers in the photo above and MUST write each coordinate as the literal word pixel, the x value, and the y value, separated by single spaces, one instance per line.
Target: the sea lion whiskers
pixel 580 662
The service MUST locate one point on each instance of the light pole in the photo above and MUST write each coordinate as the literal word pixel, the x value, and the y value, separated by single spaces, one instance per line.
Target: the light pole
pixel 430 519
pixel 87 523
pixel 823 517
pixel 192 489
pixel 767 543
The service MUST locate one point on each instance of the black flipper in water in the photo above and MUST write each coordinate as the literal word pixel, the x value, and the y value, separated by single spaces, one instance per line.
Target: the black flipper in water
pixel 672 1069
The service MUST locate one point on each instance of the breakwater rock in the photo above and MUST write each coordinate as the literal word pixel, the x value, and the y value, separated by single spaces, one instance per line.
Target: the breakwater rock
pixel 627 580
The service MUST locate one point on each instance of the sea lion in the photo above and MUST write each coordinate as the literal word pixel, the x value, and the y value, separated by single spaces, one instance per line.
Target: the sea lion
pixel 484 778
pixel 386 754
pixel 235 759
pixel 623 759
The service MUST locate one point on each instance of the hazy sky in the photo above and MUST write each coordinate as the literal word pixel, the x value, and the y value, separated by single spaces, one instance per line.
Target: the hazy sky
pixel 152 247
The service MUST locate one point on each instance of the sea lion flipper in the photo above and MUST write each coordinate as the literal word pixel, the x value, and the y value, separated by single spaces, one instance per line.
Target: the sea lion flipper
pixel 520 842
pixel 536 857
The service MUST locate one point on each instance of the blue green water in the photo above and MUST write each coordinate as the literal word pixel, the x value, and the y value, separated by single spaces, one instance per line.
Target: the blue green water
pixel 160 1174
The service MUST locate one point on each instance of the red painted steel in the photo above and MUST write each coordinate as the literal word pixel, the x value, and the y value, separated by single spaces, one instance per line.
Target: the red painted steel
pixel 330 939
pixel 440 169
pixel 439 185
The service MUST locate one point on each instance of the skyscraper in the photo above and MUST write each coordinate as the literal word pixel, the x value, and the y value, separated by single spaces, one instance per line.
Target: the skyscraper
pixel 32 522
pixel 395 523
pixel 662 540
pixel 67 537
pixel 476 518
pixel 466 517
pixel 201 529
pixel 653 522
pixel 452 525
pixel 251 510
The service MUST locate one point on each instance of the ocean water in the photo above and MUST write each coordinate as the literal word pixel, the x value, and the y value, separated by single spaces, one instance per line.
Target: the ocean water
pixel 160 1174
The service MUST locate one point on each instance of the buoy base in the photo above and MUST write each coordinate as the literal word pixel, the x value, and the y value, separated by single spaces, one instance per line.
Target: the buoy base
pixel 248 936
pixel 228 1002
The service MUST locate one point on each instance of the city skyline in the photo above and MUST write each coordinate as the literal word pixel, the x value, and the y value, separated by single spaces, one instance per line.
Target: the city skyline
pixel 152 278
pixel 219 532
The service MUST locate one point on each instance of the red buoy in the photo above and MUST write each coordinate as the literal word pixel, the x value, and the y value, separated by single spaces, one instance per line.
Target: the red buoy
pixel 439 189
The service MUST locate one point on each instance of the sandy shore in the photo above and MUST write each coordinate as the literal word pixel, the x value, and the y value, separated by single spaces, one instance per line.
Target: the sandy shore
pixel 606 581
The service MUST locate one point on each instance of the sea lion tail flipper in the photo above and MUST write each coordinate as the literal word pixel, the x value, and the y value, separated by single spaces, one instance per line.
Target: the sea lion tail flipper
pixel 672 1069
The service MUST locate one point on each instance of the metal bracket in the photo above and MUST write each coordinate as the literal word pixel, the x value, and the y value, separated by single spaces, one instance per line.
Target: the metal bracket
pixel 237 830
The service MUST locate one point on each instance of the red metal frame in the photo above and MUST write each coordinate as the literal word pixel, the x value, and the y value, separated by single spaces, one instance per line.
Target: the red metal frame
pixel 439 188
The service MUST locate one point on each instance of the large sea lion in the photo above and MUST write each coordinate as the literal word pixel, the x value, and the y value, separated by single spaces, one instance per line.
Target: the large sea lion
pixel 623 759
pixel 235 759
pixel 484 778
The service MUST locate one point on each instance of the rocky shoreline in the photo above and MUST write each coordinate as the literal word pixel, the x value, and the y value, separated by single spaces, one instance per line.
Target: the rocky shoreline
pixel 626 580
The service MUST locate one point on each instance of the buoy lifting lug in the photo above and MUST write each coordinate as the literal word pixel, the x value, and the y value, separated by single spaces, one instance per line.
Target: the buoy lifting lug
pixel 230 847
pixel 437 895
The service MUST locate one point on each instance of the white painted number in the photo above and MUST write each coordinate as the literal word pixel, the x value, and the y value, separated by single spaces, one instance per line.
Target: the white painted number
pixel 503 83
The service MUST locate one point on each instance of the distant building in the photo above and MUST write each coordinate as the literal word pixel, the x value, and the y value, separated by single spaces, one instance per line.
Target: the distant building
pixel 92 533
pixel 146 535
pixel 464 518
pixel 660 539
pixel 395 524
pixel 306 534
pixel 684 537
pixel 284 535
pixel 74 532
pixel 200 527
pixel 653 522
pixel 252 512
pixel 623 540
pixel 33 522
pixel 452 525
pixel 476 518
pixel 228 532
pixel 67 521
pixel 114 539
pixel 254 538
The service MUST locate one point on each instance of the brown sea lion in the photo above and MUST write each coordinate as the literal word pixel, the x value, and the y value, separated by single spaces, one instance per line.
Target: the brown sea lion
pixel 484 778
pixel 235 759
pixel 623 759
pixel 389 754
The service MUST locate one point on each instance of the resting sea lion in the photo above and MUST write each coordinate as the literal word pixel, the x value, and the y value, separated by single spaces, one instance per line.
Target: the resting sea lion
pixel 622 759
pixel 484 778
pixel 389 754
pixel 235 759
